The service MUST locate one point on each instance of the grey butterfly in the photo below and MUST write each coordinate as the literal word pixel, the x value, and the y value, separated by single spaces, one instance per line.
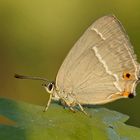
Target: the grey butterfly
pixel 100 68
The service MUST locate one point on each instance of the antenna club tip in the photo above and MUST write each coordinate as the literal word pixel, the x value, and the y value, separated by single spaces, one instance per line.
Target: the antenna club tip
pixel 29 77
pixel 16 75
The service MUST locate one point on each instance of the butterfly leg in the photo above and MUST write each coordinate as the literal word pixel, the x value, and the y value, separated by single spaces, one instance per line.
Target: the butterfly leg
pixel 71 103
pixel 48 103
pixel 71 109
pixel 66 104
pixel 82 109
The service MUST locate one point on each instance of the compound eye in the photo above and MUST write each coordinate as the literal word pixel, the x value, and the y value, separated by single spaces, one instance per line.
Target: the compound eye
pixel 127 76
pixel 50 87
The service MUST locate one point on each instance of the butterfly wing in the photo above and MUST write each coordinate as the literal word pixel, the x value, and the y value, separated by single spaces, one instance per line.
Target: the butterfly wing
pixel 93 69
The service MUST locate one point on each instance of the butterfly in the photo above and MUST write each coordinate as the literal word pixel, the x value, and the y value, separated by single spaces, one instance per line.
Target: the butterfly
pixel 101 67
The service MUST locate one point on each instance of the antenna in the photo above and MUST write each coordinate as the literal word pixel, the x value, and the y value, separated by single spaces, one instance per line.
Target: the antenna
pixel 30 77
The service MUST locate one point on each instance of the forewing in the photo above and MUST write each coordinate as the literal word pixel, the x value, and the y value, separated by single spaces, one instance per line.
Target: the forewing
pixel 93 69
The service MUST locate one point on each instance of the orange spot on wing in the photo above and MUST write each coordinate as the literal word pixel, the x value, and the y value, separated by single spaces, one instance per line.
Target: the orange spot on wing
pixel 125 94
pixel 127 76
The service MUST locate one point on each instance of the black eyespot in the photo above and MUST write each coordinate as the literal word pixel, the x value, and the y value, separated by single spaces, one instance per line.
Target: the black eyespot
pixel 127 75
pixel 131 95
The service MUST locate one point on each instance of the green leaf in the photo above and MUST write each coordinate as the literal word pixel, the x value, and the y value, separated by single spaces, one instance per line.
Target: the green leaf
pixel 31 123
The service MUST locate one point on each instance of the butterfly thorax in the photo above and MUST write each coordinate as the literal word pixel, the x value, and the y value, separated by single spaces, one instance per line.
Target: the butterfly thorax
pixel 66 98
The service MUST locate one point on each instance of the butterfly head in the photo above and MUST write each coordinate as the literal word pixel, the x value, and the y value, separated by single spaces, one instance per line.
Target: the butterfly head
pixel 50 88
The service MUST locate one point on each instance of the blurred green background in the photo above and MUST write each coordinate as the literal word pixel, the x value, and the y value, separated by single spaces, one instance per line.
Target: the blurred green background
pixel 35 37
